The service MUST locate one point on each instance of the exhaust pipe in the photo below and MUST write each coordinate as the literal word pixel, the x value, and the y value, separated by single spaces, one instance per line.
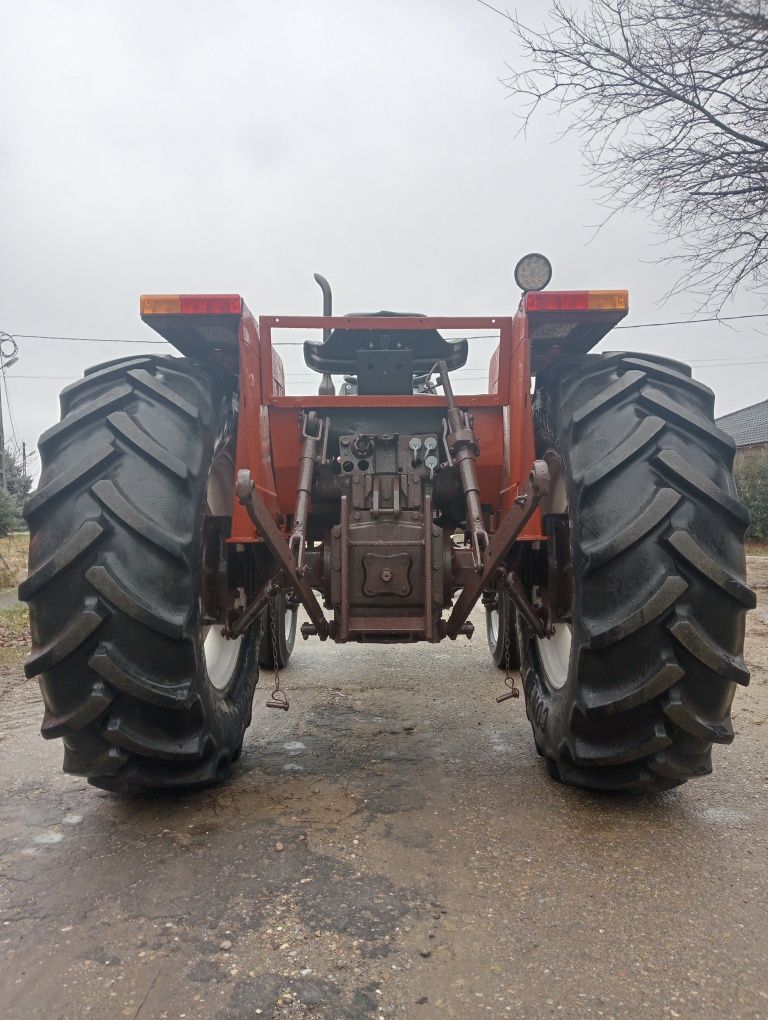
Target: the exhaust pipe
pixel 326 389
pixel 325 287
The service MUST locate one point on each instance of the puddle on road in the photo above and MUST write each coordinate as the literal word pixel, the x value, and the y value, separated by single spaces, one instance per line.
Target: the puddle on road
pixel 725 815
pixel 48 838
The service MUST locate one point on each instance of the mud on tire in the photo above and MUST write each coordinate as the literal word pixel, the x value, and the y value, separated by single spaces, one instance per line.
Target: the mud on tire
pixel 659 596
pixel 114 578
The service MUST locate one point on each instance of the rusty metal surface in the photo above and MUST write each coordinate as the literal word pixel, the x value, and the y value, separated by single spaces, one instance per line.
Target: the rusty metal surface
pixel 238 623
pixel 380 566
pixel 511 584
pixel 387 555
pixel 388 574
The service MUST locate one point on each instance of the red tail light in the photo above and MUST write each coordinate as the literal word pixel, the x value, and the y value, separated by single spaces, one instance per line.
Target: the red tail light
pixel 191 304
pixel 577 301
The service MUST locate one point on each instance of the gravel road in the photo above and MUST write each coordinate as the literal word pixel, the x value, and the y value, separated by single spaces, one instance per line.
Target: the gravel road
pixel 391 847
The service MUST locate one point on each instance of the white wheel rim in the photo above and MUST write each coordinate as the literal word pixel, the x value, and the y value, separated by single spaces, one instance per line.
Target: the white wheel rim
pixel 221 654
pixel 288 621
pixel 493 622
pixel 555 655
pixel 555 652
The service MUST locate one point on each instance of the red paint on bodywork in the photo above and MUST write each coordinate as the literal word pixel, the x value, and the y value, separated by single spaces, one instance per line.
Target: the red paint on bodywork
pixel 269 424
pixel 253 439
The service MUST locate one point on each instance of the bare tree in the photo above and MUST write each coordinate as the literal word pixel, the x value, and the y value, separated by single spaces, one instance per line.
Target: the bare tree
pixel 670 99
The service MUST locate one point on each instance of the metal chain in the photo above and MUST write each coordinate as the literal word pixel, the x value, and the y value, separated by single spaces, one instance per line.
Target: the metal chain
pixel 275 650
pixel 507 653
pixel 509 680
pixel 277 698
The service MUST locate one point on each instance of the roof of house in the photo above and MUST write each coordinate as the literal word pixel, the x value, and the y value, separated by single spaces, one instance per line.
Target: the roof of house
pixel 747 426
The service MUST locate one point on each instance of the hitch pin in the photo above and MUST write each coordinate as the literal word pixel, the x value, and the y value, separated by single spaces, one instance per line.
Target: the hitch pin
pixel 278 700
pixel 512 692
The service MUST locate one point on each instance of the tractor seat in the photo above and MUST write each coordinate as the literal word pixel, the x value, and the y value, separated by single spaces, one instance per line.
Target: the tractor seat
pixel 384 361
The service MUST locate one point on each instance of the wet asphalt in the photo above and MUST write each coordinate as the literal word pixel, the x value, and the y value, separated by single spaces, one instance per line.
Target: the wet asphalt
pixel 390 847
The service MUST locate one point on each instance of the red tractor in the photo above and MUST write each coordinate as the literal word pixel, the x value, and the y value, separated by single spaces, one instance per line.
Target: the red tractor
pixel 187 508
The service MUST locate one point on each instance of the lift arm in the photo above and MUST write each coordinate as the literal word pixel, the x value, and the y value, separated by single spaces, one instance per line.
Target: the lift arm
pixel 499 545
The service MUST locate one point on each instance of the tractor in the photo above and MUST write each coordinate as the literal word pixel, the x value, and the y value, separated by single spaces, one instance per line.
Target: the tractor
pixel 188 508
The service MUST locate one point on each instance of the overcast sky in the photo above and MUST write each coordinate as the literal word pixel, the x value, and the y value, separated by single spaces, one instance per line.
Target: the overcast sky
pixel 161 146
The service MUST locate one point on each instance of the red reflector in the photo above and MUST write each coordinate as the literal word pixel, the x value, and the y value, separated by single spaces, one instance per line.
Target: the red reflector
pixel 577 301
pixel 557 301
pixel 210 304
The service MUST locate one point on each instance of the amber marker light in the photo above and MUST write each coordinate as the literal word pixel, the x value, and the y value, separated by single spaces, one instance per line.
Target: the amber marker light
pixel 160 304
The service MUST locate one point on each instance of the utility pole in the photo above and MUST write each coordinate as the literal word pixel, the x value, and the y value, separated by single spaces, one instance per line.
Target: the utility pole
pixel 7 358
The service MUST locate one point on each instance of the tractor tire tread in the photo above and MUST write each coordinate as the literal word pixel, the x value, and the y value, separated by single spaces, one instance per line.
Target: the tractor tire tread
pixel 68 479
pixel 130 603
pixel 99 698
pixel 85 536
pixel 66 641
pixel 115 556
pixel 122 676
pixel 137 520
pixel 84 413
pixel 630 447
pixel 659 609
pixel 660 506
pixel 126 428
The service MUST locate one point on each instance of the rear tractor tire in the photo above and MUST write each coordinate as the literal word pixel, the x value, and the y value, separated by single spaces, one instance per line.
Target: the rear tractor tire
pixel 633 689
pixel 142 689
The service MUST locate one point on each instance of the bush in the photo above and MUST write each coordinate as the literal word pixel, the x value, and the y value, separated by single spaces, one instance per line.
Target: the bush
pixel 9 513
pixel 12 501
pixel 751 474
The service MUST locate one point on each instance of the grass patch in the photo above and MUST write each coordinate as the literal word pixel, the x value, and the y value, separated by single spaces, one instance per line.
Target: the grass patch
pixel 14 550
pixel 757 548
pixel 14 635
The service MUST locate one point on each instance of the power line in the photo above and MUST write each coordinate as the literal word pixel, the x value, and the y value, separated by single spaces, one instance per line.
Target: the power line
pixel 496 10
pixel 692 322
pixel 479 336
pixel 84 339
pixel 301 376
